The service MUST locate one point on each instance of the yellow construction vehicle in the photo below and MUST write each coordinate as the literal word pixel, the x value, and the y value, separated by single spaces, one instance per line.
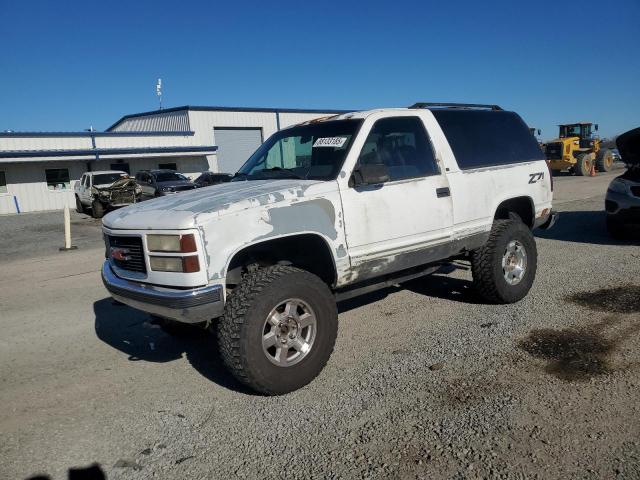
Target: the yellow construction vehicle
pixel 578 150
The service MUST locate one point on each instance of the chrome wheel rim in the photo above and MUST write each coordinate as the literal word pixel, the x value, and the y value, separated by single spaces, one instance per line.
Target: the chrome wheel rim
pixel 288 332
pixel 514 262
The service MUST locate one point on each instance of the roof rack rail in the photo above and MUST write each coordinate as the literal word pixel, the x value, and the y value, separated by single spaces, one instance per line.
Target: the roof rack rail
pixel 454 105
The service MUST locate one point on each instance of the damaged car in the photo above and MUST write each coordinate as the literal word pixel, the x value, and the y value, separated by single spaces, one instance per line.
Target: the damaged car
pixel 105 191
pixel 622 202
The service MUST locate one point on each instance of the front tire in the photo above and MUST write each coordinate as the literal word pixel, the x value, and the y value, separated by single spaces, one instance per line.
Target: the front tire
pixel 97 209
pixel 278 330
pixel 79 206
pixel 604 161
pixel 583 165
pixel 505 267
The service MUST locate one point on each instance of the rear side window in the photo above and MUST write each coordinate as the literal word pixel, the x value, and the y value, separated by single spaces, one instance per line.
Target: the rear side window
pixel 402 145
pixel 481 138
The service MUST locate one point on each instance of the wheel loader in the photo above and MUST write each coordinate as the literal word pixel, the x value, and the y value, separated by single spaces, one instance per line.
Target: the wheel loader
pixel 578 150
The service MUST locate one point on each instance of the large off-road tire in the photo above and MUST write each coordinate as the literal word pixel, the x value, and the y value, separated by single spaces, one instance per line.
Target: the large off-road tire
pixel 278 330
pixel 504 268
pixel 583 165
pixel 604 160
pixel 615 228
pixel 97 209
pixel 79 206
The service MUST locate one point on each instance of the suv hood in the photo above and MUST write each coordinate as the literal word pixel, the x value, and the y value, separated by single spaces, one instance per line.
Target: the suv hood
pixel 188 209
pixel 629 147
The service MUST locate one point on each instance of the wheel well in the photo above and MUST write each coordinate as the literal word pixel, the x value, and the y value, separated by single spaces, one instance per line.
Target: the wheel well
pixel 521 206
pixel 307 251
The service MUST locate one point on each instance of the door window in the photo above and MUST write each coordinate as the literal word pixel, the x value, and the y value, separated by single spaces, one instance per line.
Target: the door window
pixel 402 144
pixel 57 178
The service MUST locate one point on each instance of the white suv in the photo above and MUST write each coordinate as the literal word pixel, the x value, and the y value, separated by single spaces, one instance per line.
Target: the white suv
pixel 330 209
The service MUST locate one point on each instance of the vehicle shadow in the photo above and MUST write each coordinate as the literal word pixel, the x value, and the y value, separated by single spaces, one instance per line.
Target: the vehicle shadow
pixel 438 285
pixel 131 331
pixel 584 227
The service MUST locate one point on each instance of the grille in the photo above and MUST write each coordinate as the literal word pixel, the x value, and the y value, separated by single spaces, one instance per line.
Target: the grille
pixel 635 190
pixel 134 254
pixel 553 151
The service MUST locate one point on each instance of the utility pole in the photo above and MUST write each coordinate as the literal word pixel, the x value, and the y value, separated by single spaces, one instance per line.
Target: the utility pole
pixel 159 91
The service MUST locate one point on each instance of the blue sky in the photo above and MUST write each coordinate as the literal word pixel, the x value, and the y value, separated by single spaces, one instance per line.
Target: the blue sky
pixel 67 65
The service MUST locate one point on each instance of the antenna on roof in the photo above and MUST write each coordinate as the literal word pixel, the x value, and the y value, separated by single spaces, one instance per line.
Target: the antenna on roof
pixel 159 91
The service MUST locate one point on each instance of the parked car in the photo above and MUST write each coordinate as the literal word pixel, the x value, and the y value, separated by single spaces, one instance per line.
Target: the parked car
pixel 328 210
pixel 616 155
pixel 105 190
pixel 622 201
pixel 210 178
pixel 157 183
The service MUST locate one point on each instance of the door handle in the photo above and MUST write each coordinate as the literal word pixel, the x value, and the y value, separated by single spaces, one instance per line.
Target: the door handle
pixel 443 192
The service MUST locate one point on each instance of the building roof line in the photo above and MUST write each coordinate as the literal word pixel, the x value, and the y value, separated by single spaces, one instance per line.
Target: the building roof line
pixel 105 151
pixel 97 134
pixel 225 109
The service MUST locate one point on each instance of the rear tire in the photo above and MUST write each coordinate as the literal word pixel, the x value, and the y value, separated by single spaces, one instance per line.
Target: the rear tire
pixel 505 267
pixel 97 209
pixel 583 165
pixel 271 309
pixel 604 161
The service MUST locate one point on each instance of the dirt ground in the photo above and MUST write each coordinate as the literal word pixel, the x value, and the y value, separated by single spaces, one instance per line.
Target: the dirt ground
pixel 426 381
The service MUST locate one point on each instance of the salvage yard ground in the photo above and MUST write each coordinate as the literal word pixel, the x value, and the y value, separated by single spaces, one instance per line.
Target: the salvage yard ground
pixel 425 381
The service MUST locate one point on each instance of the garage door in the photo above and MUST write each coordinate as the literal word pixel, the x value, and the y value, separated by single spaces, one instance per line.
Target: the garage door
pixel 235 146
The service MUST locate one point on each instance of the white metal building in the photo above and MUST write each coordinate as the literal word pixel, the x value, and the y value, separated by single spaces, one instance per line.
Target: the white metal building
pixel 38 169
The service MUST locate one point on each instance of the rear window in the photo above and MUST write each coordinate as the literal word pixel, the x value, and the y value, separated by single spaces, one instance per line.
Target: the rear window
pixel 482 138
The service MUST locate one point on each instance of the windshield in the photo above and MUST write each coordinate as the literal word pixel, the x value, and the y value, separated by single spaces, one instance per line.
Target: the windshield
pixel 106 178
pixel 314 151
pixel 169 177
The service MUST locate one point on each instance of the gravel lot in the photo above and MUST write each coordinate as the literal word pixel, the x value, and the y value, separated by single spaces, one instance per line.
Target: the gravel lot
pixel 425 381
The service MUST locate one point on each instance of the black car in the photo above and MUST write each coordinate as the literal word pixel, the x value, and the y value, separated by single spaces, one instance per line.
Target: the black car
pixel 210 178
pixel 156 183
pixel 622 202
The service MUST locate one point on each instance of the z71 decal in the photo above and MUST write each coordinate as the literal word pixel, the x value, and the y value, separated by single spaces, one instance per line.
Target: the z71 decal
pixel 535 177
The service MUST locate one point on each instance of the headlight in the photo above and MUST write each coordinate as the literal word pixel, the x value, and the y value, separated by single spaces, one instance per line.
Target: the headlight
pixel 171 243
pixel 163 243
pixel 618 186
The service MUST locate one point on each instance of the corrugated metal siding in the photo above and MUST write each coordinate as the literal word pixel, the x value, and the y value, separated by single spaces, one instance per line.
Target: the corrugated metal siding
pixel 27 181
pixel 235 146
pixel 161 122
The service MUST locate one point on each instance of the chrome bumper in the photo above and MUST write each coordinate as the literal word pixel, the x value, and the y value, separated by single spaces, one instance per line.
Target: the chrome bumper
pixel 188 306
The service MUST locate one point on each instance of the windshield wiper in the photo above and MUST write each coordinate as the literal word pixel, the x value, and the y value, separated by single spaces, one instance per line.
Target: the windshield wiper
pixel 280 170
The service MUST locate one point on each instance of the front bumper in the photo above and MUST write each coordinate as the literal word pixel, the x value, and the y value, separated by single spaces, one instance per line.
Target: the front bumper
pixel 184 305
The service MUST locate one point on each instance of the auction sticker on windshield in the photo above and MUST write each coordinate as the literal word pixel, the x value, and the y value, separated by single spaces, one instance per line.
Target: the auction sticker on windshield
pixel 335 142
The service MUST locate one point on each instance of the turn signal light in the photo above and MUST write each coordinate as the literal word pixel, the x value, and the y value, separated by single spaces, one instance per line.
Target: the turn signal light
pixel 190 264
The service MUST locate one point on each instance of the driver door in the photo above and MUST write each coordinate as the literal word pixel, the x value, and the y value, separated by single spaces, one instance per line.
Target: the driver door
pixel 389 226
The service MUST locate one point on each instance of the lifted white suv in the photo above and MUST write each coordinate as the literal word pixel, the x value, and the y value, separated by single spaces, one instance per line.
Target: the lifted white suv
pixel 327 210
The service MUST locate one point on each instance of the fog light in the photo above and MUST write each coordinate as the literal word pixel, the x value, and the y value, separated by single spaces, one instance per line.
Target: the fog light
pixel 166 264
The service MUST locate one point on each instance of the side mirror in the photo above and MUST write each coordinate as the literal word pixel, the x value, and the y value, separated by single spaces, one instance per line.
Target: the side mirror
pixel 370 174
pixel 596 127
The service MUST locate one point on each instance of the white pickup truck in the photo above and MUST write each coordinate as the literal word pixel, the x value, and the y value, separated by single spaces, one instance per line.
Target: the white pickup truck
pixel 327 210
